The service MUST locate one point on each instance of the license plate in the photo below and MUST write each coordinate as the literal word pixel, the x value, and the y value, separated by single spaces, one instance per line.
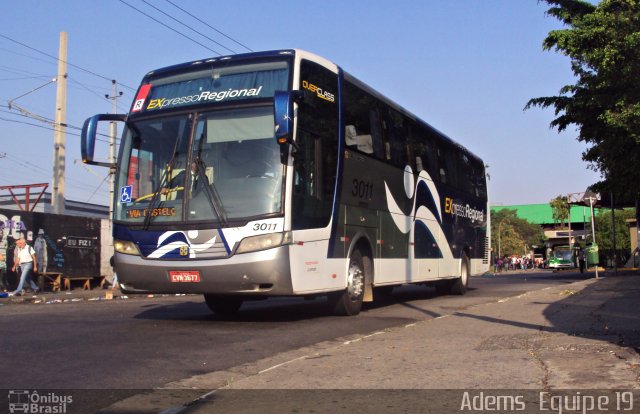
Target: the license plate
pixel 188 276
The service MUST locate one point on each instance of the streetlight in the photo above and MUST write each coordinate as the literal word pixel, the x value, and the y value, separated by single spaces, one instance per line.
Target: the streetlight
pixel 592 198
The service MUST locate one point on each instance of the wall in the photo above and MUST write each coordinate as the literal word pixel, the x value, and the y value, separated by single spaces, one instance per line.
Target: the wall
pixel 73 244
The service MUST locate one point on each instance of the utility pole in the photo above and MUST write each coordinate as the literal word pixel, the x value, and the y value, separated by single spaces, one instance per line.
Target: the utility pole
pixel 569 222
pixel 113 132
pixel 59 134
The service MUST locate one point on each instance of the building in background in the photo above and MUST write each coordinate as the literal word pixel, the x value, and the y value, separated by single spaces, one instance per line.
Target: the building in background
pixel 77 243
pixel 542 214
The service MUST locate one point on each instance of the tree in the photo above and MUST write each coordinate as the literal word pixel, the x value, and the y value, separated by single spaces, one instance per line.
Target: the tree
pixel 604 235
pixel 604 230
pixel 560 209
pixel 603 43
pixel 512 234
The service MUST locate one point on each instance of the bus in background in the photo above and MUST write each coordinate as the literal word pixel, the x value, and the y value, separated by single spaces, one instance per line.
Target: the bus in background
pixel 279 174
pixel 561 258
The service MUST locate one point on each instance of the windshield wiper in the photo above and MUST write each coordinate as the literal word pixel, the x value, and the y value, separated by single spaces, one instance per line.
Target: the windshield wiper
pixel 212 193
pixel 158 190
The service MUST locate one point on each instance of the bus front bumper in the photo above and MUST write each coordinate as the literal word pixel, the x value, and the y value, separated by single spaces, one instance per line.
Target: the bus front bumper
pixel 263 273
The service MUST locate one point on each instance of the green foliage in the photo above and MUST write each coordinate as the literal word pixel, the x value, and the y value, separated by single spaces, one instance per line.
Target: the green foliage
pixel 560 209
pixel 513 235
pixel 603 43
pixel 604 232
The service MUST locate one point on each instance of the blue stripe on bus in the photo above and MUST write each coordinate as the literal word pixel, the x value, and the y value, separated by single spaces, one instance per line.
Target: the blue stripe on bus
pixel 333 237
pixel 224 242
pixel 425 198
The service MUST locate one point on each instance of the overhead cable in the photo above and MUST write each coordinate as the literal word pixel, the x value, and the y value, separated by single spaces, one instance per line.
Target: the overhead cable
pixel 169 27
pixel 52 128
pixel 208 25
pixel 187 26
pixel 57 59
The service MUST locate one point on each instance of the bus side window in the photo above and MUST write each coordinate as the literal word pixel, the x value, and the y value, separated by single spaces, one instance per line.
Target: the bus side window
pixel 467 174
pixel 363 127
pixel 350 135
pixel 442 171
pixel 422 148
pixel 379 148
pixel 398 147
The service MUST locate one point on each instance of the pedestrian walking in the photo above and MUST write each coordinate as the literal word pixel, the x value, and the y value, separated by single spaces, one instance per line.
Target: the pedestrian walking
pixel 581 261
pixel 26 260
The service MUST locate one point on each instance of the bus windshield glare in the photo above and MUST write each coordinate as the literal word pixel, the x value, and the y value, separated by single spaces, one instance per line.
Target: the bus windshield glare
pixel 218 164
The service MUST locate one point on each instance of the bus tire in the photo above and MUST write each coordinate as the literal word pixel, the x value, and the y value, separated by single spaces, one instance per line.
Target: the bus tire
pixel 349 301
pixel 223 305
pixel 460 285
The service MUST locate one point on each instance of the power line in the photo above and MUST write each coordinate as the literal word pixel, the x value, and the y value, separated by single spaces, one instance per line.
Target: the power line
pixel 169 27
pixel 27 56
pixel 187 26
pixel 99 95
pixel 36 125
pixel 23 78
pixel 52 128
pixel 19 71
pixel 36 117
pixel 97 188
pixel 56 58
pixel 49 121
pixel 208 25
pixel 44 173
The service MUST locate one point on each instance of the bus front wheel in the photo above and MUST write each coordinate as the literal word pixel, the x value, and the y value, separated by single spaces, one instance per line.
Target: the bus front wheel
pixel 349 301
pixel 223 305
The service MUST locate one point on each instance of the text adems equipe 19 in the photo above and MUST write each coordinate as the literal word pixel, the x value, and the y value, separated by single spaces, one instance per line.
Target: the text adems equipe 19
pixel 559 402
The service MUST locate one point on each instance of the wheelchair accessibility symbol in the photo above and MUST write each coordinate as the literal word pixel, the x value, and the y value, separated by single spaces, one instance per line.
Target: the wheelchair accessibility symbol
pixel 126 193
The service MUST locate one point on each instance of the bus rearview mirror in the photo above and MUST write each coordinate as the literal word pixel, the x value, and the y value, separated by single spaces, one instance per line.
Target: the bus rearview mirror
pixel 88 137
pixel 283 114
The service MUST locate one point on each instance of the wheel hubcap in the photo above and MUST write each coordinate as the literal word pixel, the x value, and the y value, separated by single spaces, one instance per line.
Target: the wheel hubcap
pixel 355 281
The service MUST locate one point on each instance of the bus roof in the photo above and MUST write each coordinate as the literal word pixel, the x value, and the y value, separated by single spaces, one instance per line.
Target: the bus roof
pixel 242 56
pixel 292 52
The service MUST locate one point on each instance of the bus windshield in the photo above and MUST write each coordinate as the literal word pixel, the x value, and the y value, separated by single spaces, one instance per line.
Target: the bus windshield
pixel 564 254
pixel 225 168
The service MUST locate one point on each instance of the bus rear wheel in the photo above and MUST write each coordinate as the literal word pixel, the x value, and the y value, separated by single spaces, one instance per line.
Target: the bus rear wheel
pixel 223 305
pixel 460 285
pixel 457 286
pixel 349 301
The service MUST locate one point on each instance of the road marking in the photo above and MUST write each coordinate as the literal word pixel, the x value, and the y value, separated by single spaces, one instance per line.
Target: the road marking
pixel 283 363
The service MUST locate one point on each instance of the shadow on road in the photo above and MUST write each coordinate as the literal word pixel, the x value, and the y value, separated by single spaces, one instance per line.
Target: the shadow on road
pixel 606 310
pixel 271 310
pixel 288 309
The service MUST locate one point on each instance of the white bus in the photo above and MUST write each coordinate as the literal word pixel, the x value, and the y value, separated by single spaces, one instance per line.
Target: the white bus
pixel 350 193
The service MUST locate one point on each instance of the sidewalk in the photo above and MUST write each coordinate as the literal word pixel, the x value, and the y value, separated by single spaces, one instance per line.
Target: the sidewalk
pixel 64 296
pixel 583 335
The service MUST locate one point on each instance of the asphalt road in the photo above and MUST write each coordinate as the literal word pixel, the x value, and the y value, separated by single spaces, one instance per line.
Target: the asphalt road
pixel 143 343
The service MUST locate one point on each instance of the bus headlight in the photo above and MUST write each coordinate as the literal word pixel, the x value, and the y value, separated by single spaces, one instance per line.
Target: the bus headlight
pixel 126 247
pixel 264 241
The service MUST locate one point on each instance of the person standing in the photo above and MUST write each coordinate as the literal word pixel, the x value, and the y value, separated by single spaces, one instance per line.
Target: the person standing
pixel 4 283
pixel 581 260
pixel 26 259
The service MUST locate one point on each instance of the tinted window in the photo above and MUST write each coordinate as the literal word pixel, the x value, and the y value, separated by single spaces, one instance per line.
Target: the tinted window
pixel 425 151
pixel 315 161
pixel 363 123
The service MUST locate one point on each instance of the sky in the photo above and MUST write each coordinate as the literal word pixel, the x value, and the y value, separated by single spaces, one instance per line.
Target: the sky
pixel 467 67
